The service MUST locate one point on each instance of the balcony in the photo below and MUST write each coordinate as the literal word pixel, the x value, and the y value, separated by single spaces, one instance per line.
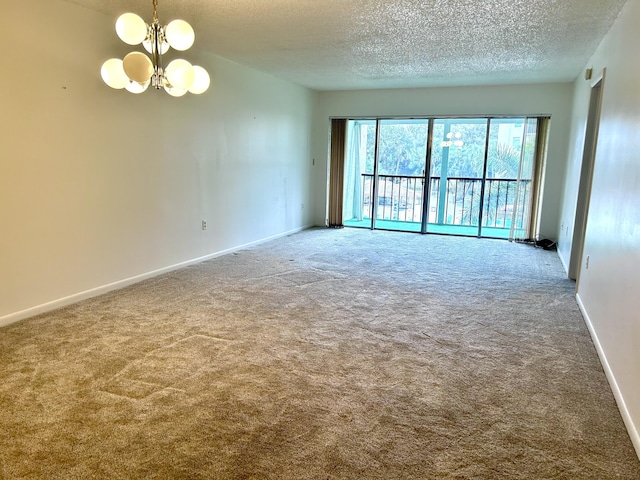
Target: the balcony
pixel 453 210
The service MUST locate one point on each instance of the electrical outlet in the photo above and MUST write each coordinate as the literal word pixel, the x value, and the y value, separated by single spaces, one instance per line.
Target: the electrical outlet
pixel 302 206
pixel 587 263
pixel 204 224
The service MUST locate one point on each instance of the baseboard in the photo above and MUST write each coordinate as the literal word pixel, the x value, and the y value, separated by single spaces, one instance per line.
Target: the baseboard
pixel 622 406
pixel 94 292
pixel 562 261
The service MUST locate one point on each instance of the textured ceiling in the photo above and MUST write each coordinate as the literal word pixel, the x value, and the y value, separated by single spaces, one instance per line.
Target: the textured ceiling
pixel 357 44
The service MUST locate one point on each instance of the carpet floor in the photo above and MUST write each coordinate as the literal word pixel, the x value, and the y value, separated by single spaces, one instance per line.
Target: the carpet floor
pixel 329 354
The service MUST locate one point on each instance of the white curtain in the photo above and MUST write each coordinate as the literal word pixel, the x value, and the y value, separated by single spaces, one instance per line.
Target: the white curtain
pixel 354 162
pixel 521 216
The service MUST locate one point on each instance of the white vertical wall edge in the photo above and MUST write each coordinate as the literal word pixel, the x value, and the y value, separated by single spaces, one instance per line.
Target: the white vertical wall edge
pixel 94 292
pixel 622 406
pixel 564 264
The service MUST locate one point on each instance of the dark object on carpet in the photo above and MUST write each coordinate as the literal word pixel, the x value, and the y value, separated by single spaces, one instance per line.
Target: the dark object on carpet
pixel 546 244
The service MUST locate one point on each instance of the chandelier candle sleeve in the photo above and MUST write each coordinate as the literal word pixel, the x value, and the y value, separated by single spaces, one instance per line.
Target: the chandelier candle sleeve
pixel 136 72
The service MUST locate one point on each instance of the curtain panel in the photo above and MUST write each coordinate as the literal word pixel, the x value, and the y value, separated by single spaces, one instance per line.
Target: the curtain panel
pixel 336 172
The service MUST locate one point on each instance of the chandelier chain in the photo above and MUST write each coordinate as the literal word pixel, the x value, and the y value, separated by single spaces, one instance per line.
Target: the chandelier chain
pixel 155 11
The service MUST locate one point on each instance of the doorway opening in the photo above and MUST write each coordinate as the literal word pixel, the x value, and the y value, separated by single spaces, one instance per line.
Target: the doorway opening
pixel 586 178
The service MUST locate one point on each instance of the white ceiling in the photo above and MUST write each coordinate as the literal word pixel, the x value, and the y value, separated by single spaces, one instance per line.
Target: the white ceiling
pixel 359 44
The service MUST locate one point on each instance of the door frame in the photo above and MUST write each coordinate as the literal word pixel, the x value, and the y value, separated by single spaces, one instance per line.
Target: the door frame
pixel 586 176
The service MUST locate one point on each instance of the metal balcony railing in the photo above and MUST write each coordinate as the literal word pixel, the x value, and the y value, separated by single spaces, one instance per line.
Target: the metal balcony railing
pixel 400 199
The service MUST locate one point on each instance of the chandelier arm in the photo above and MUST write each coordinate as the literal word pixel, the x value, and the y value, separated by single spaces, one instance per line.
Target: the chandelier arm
pixel 156 54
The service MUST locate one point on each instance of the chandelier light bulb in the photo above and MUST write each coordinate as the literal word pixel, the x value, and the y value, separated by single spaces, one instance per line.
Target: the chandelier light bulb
pixel 138 67
pixel 180 74
pixel 137 87
pixel 175 92
pixel 113 74
pixel 201 81
pixel 131 28
pixel 180 35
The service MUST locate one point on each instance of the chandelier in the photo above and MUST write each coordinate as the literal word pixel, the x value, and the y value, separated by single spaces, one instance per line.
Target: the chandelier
pixel 452 139
pixel 136 72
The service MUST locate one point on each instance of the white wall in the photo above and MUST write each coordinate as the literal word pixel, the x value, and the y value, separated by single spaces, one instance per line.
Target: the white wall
pixel 542 99
pixel 608 289
pixel 98 186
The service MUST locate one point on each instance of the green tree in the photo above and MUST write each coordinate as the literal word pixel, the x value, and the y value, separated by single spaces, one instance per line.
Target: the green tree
pixel 402 148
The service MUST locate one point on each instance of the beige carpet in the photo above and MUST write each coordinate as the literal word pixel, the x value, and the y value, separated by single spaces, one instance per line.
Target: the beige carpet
pixel 330 354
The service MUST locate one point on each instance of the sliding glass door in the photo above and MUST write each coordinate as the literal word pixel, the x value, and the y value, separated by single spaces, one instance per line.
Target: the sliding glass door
pixel 384 174
pixel 456 177
pixel 509 174
pixel 481 172
pixel 358 173
pixel 401 154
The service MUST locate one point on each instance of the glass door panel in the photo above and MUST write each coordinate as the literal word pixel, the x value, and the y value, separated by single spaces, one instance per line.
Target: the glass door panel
pixel 503 165
pixel 357 210
pixel 456 176
pixel 507 193
pixel 402 151
pixel 521 219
